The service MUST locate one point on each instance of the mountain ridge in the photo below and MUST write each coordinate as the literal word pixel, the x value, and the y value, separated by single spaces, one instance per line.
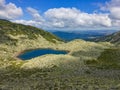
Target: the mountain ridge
pixel 113 38
pixel 88 35
pixel 8 29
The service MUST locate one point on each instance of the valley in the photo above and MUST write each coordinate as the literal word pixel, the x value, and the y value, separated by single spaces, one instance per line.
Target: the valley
pixel 87 66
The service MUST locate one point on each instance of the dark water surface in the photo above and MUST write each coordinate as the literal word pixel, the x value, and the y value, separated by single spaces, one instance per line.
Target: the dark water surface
pixel 39 52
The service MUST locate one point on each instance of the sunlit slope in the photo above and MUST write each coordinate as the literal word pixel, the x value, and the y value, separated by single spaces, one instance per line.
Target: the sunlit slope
pixel 79 50
pixel 56 71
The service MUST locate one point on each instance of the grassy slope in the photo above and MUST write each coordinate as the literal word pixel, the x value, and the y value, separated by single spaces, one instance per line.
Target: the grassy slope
pixel 7 27
pixel 56 72
pixel 109 59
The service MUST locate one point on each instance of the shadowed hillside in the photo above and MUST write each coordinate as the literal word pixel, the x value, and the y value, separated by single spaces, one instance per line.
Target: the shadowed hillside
pixel 109 59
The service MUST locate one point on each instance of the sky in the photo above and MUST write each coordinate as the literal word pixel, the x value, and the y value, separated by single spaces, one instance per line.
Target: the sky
pixel 64 15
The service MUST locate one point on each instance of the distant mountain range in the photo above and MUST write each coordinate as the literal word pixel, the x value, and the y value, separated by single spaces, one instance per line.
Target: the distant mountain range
pixel 88 35
pixel 113 38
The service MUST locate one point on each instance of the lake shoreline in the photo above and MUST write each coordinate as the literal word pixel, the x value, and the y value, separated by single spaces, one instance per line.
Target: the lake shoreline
pixel 28 50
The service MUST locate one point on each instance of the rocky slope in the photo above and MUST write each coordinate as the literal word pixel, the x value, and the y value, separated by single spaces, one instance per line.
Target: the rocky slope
pixel 113 38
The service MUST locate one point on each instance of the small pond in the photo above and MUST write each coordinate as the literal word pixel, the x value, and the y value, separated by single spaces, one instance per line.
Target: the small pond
pixel 39 52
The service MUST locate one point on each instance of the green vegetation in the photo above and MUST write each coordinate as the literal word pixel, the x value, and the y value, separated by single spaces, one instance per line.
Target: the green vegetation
pixel 109 59
pixel 52 79
pixel 87 66
pixel 6 39
pixel 8 28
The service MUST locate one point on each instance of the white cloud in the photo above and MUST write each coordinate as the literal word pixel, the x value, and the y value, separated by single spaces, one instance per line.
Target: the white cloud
pixel 9 11
pixel 74 18
pixel 2 2
pixel 114 11
pixel 29 22
pixel 67 18
pixel 114 8
pixel 35 14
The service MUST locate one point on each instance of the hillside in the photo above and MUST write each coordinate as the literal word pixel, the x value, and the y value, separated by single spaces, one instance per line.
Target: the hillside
pixel 8 29
pixel 85 67
pixel 113 38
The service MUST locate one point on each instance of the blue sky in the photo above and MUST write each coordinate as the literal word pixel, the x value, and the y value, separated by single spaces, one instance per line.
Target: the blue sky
pixel 63 14
pixel 43 5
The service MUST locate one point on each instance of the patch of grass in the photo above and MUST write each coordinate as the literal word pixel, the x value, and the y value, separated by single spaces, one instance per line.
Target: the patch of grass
pixel 91 62
pixel 109 59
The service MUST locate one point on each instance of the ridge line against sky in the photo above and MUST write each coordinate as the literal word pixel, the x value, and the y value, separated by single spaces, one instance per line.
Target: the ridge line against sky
pixel 63 14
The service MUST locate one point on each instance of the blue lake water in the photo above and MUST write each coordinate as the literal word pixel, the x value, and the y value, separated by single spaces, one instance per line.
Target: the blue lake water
pixel 39 52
